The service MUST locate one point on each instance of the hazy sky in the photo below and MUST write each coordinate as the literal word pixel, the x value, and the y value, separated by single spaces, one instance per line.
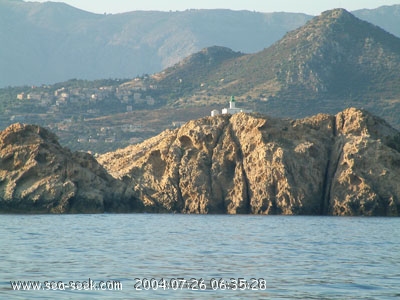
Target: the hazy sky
pixel 313 7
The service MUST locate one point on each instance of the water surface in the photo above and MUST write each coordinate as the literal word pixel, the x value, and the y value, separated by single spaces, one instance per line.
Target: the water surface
pixel 297 257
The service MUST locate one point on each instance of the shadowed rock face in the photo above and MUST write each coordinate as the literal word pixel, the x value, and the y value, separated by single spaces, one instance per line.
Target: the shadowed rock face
pixel 348 164
pixel 37 175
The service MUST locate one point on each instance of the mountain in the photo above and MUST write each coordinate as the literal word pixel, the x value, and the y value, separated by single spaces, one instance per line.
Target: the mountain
pixel 334 61
pixel 189 75
pixel 343 164
pixel 52 42
pixel 386 17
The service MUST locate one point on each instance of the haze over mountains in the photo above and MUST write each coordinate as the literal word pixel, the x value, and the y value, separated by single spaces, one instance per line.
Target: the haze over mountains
pixel 53 42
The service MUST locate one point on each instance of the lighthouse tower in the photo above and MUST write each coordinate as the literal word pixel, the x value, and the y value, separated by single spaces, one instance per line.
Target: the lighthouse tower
pixel 232 108
pixel 232 103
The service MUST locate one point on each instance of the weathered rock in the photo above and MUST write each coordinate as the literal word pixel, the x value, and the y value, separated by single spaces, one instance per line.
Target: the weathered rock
pixel 348 164
pixel 38 175
pixel 367 167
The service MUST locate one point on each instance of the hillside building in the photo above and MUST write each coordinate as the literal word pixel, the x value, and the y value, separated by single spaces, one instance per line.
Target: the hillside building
pixel 214 112
pixel 21 96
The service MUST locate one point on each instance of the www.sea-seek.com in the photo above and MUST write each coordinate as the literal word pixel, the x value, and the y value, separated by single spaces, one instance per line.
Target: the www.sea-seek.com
pixel 89 285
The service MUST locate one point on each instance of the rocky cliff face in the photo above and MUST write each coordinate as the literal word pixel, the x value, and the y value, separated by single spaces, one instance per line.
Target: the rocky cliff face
pixel 348 164
pixel 38 175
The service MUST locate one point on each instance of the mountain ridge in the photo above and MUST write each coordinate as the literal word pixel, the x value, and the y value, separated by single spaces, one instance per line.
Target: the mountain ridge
pixel 333 61
pixel 386 17
pixel 53 42
pixel 71 43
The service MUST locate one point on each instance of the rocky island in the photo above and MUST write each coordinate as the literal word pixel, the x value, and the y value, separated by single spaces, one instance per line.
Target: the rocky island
pixel 343 164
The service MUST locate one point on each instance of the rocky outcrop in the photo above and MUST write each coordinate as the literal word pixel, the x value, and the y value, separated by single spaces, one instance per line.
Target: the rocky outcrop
pixel 37 175
pixel 348 164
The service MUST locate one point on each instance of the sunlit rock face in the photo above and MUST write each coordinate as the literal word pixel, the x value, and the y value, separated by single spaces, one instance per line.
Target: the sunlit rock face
pixel 347 164
pixel 37 175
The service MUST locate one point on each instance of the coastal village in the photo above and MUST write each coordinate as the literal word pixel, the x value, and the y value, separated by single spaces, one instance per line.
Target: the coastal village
pixel 87 96
pixel 70 110
pixel 79 115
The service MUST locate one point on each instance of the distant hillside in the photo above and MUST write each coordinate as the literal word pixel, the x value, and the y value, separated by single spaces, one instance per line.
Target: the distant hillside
pixel 45 43
pixel 334 61
pixel 197 72
pixel 53 42
pixel 387 17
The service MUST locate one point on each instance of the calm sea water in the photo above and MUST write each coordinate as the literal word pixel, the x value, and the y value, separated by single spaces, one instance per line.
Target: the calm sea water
pixel 296 257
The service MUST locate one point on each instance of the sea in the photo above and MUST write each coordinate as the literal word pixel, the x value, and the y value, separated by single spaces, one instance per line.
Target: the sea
pixel 176 256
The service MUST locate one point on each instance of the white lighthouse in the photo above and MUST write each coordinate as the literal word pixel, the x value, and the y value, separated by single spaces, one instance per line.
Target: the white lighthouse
pixel 232 108
pixel 232 103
